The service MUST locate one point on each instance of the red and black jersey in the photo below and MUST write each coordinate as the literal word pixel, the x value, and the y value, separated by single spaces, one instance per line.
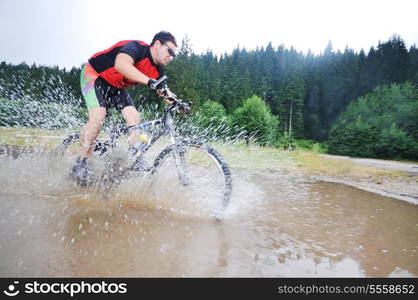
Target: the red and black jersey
pixel 104 62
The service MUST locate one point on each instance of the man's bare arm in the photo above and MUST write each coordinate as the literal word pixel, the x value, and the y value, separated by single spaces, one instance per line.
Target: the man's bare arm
pixel 124 64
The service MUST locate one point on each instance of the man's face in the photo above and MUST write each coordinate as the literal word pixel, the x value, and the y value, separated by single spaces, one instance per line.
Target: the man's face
pixel 165 52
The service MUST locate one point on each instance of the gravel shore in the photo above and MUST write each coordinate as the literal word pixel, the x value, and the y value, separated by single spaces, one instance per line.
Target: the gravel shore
pixel 403 188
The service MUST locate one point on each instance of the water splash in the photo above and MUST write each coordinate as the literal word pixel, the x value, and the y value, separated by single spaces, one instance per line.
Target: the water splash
pixel 52 104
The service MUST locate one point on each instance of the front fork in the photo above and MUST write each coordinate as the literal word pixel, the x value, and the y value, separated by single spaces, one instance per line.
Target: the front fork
pixel 179 158
pixel 179 149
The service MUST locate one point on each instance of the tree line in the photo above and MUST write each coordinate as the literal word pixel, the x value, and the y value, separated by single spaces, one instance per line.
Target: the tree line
pixel 300 95
pixel 382 124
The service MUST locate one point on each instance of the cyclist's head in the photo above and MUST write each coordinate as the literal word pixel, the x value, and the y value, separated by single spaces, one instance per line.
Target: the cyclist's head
pixel 164 37
pixel 163 48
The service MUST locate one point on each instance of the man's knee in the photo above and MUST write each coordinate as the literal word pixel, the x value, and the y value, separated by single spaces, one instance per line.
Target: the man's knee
pixel 97 116
pixel 131 115
pixel 94 123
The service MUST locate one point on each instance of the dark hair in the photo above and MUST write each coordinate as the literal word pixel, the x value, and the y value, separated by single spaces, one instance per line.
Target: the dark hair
pixel 163 37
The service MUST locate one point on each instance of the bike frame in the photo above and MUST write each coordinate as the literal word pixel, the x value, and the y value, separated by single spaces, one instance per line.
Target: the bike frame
pixel 166 121
pixel 167 125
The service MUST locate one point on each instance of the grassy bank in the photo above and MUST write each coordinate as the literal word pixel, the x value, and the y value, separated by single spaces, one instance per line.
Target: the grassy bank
pixel 300 161
pixel 30 137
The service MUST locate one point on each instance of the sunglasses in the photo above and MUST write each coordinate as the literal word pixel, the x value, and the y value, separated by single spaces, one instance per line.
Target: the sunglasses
pixel 170 51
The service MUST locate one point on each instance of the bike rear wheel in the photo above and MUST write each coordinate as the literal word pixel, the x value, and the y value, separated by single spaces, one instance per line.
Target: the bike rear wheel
pixel 109 168
pixel 200 169
pixel 70 146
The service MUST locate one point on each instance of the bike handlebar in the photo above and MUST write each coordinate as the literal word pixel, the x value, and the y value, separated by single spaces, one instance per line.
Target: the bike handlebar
pixel 161 79
pixel 178 104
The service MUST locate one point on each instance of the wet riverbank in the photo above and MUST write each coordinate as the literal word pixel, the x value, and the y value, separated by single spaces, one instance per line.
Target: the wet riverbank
pixel 401 183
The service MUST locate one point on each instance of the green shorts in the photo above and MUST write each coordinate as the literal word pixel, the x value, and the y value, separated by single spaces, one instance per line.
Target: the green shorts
pixel 97 92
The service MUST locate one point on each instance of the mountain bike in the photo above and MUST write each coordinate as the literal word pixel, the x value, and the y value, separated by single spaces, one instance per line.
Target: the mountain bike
pixel 197 164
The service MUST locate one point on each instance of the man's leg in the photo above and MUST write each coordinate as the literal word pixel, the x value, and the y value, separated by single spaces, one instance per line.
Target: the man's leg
pixel 92 89
pixel 131 116
pixel 137 140
pixel 80 171
pixel 91 130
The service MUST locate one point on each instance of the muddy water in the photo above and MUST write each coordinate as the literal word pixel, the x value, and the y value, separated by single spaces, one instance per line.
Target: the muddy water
pixel 277 225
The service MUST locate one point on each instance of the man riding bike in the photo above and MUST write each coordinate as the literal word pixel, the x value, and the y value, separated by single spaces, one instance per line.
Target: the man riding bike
pixel 104 80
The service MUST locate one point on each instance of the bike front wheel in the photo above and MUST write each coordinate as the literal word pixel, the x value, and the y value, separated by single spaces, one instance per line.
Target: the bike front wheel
pixel 200 169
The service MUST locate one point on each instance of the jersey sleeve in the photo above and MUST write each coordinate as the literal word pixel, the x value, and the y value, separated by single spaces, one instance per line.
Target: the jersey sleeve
pixel 134 50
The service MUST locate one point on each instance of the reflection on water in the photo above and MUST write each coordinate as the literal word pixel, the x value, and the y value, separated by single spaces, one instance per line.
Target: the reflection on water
pixel 278 225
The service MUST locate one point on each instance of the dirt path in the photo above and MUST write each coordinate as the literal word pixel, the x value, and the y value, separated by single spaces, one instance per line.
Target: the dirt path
pixel 390 165
pixel 411 168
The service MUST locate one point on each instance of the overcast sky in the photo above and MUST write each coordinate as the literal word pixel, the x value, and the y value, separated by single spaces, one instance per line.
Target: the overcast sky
pixel 68 32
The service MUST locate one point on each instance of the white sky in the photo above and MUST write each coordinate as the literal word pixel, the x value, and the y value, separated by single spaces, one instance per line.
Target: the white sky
pixel 68 32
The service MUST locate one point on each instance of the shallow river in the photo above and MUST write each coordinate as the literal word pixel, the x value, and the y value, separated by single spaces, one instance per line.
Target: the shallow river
pixel 277 225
